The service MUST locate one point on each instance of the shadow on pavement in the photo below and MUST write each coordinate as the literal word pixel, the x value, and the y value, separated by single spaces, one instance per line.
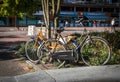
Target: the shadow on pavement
pixel 7 56
pixel 9 36
pixel 7 49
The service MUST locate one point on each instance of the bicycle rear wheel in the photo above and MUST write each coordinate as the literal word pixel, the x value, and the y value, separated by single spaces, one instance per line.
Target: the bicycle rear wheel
pixel 31 51
pixel 46 54
pixel 95 51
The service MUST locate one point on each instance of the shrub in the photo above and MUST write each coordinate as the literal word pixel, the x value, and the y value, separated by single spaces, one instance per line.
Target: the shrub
pixel 21 48
pixel 113 39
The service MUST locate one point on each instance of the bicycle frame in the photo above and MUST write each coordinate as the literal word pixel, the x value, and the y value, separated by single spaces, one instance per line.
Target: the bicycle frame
pixel 65 40
pixel 37 41
pixel 87 36
pixel 40 39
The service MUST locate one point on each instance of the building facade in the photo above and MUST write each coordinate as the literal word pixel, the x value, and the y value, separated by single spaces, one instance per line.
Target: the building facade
pixel 99 12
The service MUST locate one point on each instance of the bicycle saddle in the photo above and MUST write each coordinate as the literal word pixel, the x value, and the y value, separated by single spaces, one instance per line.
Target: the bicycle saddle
pixel 59 29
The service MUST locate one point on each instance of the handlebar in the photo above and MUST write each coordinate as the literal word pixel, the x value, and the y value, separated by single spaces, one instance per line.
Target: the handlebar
pixel 59 29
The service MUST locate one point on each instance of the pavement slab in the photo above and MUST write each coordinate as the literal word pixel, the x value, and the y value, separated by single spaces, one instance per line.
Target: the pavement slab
pixel 110 73
pixel 40 76
pixel 7 79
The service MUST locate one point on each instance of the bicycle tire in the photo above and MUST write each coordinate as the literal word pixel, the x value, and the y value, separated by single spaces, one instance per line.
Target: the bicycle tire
pixel 31 52
pixel 45 54
pixel 95 51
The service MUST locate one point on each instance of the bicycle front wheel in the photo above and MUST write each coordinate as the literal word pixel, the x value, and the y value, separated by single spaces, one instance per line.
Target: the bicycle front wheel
pixel 31 51
pixel 47 53
pixel 95 51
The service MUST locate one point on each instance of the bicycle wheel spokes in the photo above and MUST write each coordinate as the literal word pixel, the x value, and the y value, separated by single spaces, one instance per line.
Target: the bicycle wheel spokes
pixel 31 51
pixel 95 51
pixel 46 52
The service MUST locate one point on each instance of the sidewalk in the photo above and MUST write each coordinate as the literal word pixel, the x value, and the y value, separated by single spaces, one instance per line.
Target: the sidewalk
pixel 10 64
pixel 68 30
pixel 109 73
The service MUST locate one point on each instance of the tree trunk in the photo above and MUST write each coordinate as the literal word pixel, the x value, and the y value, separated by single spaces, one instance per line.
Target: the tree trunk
pixel 56 12
pixel 46 13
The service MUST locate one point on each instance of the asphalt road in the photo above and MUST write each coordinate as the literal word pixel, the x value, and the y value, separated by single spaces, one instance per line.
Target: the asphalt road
pixel 10 65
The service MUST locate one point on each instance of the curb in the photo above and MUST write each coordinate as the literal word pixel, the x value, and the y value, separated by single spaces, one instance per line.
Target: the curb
pixel 36 68
pixel 109 73
pixel 33 65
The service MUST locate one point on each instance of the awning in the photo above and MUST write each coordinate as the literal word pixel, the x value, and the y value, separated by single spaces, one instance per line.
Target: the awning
pixel 69 14
pixel 62 13
pixel 96 16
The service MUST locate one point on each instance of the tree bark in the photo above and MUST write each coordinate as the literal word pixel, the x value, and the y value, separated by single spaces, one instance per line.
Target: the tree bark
pixel 45 7
pixel 56 12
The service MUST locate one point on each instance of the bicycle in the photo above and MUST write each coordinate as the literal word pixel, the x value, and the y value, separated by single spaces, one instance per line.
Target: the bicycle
pixel 54 52
pixel 31 45
pixel 93 50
